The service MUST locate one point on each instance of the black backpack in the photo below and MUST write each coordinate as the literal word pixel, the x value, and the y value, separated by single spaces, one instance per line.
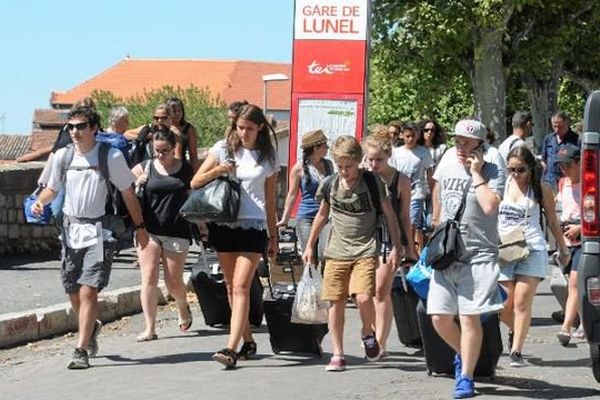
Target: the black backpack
pixel 370 180
pixel 141 146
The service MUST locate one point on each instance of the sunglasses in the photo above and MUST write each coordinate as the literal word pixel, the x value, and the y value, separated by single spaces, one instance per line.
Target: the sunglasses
pixel 519 170
pixel 80 126
pixel 159 118
pixel 429 130
pixel 162 152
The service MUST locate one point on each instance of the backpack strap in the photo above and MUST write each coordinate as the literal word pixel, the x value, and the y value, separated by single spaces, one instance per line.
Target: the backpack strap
pixel 327 187
pixel 103 167
pixel 66 161
pixel 371 182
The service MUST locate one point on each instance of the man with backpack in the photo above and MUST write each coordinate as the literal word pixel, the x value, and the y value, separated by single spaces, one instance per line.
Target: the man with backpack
pixel 83 170
pixel 522 125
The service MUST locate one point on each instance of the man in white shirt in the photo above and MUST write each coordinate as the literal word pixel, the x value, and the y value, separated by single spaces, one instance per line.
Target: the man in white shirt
pixel 87 246
pixel 522 125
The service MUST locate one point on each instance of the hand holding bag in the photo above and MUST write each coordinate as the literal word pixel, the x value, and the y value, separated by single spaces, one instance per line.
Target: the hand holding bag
pixel 445 245
pixel 141 188
pixel 30 218
pixel 217 201
pixel 308 308
pixel 419 276
pixel 513 247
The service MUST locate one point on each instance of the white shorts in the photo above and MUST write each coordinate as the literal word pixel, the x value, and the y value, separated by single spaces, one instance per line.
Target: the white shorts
pixel 467 289
pixel 171 243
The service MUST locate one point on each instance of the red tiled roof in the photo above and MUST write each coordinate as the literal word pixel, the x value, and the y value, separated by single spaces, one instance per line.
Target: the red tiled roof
pixel 13 146
pixel 50 117
pixel 230 80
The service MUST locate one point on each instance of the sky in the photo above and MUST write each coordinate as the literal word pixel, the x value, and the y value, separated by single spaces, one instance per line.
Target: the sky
pixel 55 45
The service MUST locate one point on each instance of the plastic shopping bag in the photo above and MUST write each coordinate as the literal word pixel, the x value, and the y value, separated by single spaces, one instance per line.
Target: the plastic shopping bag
pixel 419 276
pixel 308 308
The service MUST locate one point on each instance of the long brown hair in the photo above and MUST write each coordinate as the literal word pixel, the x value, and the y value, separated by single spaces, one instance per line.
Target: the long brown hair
pixel 264 143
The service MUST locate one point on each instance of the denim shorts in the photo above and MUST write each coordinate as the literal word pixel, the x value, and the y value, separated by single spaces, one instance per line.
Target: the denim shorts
pixel 416 213
pixel 535 265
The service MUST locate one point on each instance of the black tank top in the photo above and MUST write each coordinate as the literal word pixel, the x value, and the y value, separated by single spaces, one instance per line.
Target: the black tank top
pixel 163 197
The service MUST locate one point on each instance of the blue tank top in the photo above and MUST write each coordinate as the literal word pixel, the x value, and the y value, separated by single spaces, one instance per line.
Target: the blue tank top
pixel 309 206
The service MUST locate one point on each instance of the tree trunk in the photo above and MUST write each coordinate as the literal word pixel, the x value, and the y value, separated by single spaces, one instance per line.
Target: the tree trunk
pixel 543 98
pixel 489 85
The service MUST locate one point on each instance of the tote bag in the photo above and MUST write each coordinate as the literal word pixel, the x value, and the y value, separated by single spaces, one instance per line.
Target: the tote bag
pixel 217 201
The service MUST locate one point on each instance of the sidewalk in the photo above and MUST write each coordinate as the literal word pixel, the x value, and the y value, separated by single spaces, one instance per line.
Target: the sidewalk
pixel 178 366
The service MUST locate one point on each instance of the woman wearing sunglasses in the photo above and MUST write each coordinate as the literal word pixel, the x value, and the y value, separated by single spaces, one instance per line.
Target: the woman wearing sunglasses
pixel 166 182
pixel 524 199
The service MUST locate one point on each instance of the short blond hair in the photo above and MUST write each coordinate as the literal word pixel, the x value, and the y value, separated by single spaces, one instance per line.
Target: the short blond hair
pixel 380 141
pixel 347 146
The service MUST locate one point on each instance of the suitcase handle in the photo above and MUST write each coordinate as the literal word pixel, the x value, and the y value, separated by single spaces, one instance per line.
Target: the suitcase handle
pixel 268 264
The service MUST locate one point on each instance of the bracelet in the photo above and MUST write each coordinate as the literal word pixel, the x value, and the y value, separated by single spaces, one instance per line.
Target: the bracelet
pixel 479 184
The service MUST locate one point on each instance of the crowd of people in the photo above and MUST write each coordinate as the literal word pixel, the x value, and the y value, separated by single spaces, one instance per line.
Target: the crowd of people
pixel 363 215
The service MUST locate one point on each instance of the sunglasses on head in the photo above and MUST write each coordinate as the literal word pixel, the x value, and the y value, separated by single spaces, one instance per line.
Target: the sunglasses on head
pixel 518 170
pixel 80 126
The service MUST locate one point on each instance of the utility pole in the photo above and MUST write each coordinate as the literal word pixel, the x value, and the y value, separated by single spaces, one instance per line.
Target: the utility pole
pixel 2 119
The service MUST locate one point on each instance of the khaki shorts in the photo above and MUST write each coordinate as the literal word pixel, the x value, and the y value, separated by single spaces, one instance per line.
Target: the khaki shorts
pixel 344 277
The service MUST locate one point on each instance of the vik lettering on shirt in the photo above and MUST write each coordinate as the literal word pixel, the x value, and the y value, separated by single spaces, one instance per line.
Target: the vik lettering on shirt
pixel 452 193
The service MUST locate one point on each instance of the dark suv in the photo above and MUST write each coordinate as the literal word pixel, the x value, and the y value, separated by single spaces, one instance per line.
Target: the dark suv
pixel 589 263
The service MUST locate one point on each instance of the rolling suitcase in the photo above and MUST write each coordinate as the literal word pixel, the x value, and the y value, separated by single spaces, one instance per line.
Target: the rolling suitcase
pixel 405 313
pixel 284 335
pixel 211 291
pixel 439 356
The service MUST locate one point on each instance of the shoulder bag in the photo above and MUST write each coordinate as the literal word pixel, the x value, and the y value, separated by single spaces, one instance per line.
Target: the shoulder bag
pixel 513 247
pixel 217 201
pixel 445 245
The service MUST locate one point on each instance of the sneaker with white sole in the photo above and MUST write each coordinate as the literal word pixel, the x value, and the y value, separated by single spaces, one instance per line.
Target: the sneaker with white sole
pixel 371 348
pixel 336 364
pixel 79 360
pixel 516 359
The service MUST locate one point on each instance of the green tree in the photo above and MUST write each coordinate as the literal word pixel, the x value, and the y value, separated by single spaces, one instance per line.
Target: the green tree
pixel 205 112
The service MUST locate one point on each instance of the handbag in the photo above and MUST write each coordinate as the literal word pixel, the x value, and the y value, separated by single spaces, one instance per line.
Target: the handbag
pixel 217 201
pixel 308 308
pixel 445 245
pixel 513 247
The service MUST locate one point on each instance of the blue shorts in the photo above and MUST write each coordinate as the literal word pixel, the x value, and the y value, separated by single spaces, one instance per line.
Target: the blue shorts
pixel 534 265
pixel 575 255
pixel 416 213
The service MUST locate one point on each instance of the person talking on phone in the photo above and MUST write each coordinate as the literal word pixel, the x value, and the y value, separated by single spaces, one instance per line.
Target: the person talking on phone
pixel 469 287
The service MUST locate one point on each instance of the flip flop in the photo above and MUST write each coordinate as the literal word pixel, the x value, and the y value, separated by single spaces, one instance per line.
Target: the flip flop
pixel 563 337
pixel 146 337
pixel 185 324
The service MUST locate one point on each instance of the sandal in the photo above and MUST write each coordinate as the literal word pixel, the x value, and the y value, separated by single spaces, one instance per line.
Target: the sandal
pixel 146 337
pixel 564 338
pixel 578 334
pixel 227 357
pixel 247 351
pixel 185 324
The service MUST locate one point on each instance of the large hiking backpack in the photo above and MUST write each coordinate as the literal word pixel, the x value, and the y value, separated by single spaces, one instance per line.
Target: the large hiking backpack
pixel 116 141
pixel 115 210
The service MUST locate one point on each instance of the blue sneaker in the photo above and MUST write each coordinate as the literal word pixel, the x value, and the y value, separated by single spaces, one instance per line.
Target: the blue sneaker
pixel 457 366
pixel 465 387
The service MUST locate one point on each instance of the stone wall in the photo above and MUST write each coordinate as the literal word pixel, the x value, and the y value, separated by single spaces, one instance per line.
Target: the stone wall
pixel 16 182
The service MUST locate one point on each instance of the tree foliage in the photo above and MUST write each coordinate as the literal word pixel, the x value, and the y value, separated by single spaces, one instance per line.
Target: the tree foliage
pixel 425 55
pixel 205 112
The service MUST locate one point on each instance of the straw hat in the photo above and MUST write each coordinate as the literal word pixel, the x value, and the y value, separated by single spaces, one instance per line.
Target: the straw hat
pixel 313 138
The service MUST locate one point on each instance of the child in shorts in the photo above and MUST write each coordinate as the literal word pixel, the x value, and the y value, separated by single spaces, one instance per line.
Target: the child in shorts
pixel 351 255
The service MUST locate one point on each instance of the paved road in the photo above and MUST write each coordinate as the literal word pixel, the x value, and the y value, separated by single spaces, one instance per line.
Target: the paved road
pixel 33 281
pixel 178 366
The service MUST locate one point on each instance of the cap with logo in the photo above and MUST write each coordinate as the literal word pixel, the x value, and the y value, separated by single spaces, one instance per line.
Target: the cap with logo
pixel 568 153
pixel 470 128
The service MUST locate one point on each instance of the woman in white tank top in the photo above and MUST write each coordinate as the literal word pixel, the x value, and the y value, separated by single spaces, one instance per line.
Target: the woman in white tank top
pixel 524 198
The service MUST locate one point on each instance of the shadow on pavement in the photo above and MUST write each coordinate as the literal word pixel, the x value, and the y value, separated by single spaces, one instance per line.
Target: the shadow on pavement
pixel 560 363
pixel 543 321
pixel 17 260
pixel 535 389
pixel 178 358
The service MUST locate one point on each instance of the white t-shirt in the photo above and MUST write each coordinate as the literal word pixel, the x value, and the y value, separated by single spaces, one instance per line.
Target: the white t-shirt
pixel 413 163
pixel 509 143
pixel 85 189
pixel 252 176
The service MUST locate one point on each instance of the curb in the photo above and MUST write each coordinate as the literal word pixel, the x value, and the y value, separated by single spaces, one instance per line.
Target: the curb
pixel 40 323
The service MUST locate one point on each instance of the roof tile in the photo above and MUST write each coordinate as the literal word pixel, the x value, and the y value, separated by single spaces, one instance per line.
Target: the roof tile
pixel 13 146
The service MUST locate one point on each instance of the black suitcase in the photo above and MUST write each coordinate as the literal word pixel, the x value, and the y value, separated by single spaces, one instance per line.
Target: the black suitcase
pixel 439 356
pixel 284 335
pixel 405 314
pixel 212 296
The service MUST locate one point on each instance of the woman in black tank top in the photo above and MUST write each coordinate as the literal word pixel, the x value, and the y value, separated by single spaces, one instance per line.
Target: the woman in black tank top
pixel 188 137
pixel 166 181
pixel 378 149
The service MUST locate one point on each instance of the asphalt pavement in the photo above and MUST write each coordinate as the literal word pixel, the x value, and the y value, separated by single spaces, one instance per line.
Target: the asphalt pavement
pixel 179 365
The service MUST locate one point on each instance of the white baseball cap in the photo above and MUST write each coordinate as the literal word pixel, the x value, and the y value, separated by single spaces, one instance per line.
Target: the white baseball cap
pixel 470 128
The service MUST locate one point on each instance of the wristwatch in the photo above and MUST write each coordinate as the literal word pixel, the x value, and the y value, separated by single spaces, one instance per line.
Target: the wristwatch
pixel 141 225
